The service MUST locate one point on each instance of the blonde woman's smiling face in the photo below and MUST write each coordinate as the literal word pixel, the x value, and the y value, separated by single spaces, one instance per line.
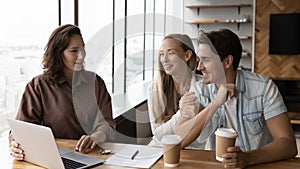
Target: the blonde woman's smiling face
pixel 172 56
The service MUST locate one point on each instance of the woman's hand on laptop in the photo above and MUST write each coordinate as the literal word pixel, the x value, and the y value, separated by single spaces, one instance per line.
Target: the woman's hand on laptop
pixel 87 142
pixel 84 143
pixel 16 151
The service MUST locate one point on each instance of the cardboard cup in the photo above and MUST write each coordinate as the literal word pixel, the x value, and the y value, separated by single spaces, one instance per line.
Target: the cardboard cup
pixel 171 148
pixel 225 137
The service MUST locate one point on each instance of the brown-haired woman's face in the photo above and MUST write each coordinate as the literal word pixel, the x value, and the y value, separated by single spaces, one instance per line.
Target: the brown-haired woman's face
pixel 172 56
pixel 74 54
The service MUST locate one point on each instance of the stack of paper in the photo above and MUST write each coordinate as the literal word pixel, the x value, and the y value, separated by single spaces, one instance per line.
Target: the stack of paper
pixel 144 156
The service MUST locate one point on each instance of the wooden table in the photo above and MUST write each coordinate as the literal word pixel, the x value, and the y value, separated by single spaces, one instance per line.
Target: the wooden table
pixel 188 159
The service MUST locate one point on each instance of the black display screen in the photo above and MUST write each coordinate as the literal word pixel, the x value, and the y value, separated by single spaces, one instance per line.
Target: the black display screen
pixel 284 34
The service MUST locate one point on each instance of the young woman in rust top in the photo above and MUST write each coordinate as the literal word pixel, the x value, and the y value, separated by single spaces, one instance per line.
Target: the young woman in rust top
pixel 73 102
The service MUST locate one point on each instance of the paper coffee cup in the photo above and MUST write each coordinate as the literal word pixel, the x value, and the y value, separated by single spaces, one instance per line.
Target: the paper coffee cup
pixel 171 148
pixel 225 137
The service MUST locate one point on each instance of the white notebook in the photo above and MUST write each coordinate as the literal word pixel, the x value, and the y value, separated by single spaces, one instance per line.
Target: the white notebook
pixel 145 158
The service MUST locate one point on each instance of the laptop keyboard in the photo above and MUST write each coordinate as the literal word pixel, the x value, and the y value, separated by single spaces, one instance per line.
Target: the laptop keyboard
pixel 70 164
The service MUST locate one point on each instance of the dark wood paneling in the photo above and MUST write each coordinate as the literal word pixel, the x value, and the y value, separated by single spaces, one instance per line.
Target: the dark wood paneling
pixel 273 66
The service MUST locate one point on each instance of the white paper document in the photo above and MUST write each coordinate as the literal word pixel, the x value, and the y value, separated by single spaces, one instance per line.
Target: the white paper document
pixel 139 156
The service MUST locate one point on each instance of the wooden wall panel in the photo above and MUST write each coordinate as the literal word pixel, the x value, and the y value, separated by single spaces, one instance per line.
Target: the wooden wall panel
pixel 273 66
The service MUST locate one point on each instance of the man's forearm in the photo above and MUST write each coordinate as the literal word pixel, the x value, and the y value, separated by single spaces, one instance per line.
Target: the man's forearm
pixel 279 149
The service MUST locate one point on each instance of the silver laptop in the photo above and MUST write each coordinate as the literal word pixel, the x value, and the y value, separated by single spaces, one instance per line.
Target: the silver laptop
pixel 40 148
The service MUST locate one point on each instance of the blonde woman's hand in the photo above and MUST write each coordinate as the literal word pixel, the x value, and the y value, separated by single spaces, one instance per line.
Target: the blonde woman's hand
pixel 188 105
pixel 15 151
pixel 191 110
pixel 186 99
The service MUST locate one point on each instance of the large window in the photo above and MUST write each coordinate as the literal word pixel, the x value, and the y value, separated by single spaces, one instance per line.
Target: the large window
pixel 149 39
pixel 24 33
pixel 66 11
pixel 96 24
pixel 122 38
pixel 135 34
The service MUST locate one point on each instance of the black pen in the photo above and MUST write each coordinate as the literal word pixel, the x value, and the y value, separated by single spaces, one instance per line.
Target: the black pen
pixel 136 152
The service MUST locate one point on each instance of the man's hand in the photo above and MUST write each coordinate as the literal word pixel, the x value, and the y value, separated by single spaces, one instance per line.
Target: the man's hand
pixel 235 158
pixel 224 91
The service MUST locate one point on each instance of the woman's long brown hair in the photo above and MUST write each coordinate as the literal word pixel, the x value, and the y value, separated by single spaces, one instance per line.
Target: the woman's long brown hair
pixel 164 95
pixel 58 41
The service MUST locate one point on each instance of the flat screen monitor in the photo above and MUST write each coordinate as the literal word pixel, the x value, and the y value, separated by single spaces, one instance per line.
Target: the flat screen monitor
pixel 284 34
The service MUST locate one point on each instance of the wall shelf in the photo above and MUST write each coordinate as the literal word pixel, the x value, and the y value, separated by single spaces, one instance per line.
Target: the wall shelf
pixel 245 37
pixel 239 6
pixel 240 37
pixel 218 6
pixel 238 16
pixel 217 22
pixel 246 55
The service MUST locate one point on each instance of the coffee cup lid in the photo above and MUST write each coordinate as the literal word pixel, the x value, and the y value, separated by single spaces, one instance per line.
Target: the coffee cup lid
pixel 226 132
pixel 171 139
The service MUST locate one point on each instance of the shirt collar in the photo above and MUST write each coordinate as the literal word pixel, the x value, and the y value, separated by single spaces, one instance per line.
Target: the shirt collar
pixel 193 80
pixel 78 78
pixel 240 82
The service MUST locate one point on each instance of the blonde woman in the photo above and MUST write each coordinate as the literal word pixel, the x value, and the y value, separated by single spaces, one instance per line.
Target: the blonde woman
pixel 176 62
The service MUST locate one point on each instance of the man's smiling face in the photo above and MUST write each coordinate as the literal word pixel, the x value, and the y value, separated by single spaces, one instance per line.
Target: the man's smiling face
pixel 210 65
